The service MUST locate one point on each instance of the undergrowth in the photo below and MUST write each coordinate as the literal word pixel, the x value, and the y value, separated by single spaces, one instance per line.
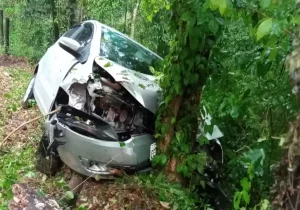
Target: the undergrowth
pixel 17 160
pixel 172 194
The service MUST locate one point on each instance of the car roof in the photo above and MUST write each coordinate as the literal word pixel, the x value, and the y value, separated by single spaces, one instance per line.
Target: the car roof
pixel 96 22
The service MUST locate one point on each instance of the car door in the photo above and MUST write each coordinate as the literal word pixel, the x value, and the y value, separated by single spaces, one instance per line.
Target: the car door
pixel 56 63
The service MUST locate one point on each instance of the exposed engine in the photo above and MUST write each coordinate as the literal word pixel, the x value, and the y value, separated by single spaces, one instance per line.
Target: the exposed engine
pixel 109 101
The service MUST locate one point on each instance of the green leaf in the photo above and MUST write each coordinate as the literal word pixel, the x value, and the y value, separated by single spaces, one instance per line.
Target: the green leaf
pixel 149 18
pixel 273 54
pixel 152 69
pixel 163 129
pixel 251 171
pixel 202 140
pixel 200 168
pixel 237 200
pixel 163 159
pixel 83 206
pixel 178 136
pixel 214 4
pixel 142 86
pixel 108 64
pixel 173 120
pixel 202 183
pixel 168 6
pixel 69 195
pixel 265 3
pixel 256 156
pixel 222 6
pixel 177 87
pixel 208 129
pixel 265 205
pixel 264 28
pixel 188 15
pixel 245 184
pixel 246 197
pixel 213 26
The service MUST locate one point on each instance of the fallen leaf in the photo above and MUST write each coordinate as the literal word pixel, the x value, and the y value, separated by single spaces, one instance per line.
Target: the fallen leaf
pixel 142 86
pixel 44 178
pixel 97 177
pixel 108 64
pixel 165 204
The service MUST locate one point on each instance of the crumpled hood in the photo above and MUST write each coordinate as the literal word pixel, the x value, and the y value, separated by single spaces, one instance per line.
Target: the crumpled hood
pixel 141 86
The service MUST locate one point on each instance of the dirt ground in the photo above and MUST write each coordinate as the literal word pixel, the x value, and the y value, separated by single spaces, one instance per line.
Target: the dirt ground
pixel 12 120
pixel 94 195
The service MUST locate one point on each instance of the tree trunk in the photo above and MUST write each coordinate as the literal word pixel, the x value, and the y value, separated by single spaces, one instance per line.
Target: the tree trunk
pixel 54 20
pixel 27 198
pixel 125 18
pixel 81 12
pixel 134 14
pixel 193 101
pixel 174 106
pixel 73 11
pixel 1 28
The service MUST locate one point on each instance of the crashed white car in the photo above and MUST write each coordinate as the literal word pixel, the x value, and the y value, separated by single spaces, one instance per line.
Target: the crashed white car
pixel 108 97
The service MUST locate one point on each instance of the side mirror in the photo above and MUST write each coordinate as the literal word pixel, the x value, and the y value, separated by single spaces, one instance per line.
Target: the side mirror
pixel 70 45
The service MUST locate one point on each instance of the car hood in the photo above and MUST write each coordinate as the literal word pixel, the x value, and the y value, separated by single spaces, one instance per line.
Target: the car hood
pixel 142 87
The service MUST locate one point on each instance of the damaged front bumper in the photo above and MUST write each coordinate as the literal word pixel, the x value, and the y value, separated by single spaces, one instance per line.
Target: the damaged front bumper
pixel 92 149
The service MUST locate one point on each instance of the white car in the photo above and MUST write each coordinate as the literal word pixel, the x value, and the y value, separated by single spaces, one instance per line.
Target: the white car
pixel 108 97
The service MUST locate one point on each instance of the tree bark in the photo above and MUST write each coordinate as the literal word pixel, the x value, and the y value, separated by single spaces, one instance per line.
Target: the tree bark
pixel 174 106
pixel 193 101
pixel 73 12
pixel 81 12
pixel 26 198
pixel 134 15
pixel 1 28
pixel 7 23
pixel 54 20
pixel 164 144
pixel 125 18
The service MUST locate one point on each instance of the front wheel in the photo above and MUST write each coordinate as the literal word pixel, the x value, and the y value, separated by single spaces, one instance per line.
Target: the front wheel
pixel 28 94
pixel 46 164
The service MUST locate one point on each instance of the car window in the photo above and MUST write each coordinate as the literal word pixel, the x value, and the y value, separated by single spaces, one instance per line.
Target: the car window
pixel 70 32
pixel 81 33
pixel 127 53
pixel 84 35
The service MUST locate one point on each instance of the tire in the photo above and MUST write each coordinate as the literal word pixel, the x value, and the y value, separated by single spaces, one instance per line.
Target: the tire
pixel 28 94
pixel 46 164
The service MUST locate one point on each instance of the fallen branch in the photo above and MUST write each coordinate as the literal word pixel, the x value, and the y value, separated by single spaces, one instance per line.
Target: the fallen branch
pixel 25 123
pixel 26 198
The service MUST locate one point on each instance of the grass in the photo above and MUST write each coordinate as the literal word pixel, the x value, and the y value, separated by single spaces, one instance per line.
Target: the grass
pixel 17 160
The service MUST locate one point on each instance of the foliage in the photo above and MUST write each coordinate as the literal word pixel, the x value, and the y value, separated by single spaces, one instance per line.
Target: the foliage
pixel 172 193
pixel 14 169
pixel 229 54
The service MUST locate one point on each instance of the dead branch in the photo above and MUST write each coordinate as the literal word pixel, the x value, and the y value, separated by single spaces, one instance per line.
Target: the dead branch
pixel 25 123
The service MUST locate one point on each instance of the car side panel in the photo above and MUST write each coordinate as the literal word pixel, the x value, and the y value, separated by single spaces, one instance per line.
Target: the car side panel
pixel 53 67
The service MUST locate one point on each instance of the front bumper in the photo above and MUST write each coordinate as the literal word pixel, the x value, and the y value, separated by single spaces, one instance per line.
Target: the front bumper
pixel 90 156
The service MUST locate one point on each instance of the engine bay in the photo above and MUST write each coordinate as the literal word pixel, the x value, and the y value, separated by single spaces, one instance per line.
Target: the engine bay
pixel 107 100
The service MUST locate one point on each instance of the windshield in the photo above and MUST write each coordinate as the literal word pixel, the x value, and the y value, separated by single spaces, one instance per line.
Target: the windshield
pixel 125 52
